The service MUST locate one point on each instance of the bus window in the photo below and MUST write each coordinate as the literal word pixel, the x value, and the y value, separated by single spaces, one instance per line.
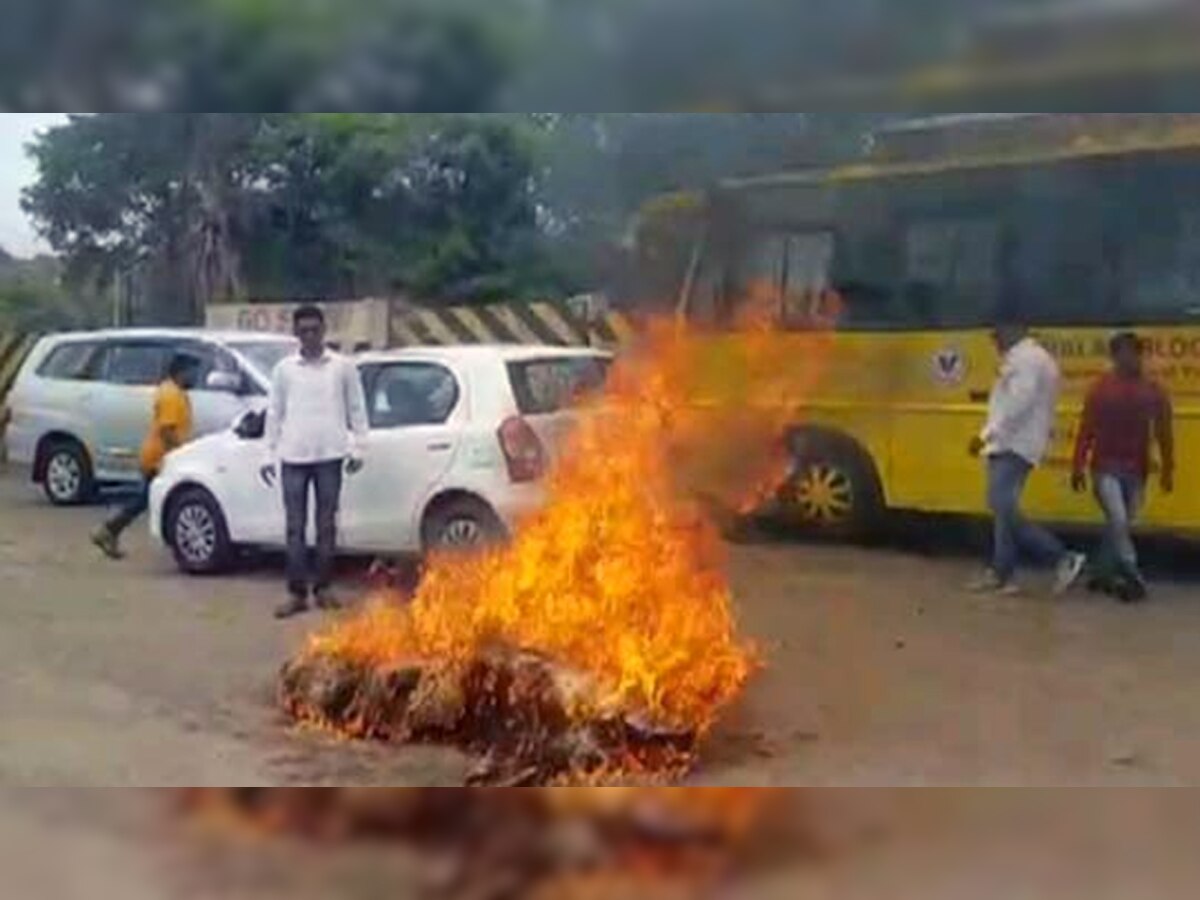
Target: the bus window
pixel 786 275
pixel 707 306
pixel 762 266
pixel 1156 232
pixel 1057 270
pixel 950 272
pixel 808 260
pixel 864 274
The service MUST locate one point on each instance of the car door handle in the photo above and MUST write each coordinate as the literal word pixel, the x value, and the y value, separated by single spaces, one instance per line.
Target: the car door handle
pixel 439 447
pixel 980 396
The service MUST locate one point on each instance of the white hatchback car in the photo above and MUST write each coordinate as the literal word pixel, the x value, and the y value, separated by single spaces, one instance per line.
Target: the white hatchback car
pixel 82 403
pixel 460 439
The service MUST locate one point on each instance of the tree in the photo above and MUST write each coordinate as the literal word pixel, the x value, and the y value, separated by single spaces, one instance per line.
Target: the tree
pixel 198 207
pixel 155 195
pixel 249 55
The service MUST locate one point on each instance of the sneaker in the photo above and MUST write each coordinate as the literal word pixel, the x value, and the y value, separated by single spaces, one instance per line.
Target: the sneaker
pixel 326 600
pixel 294 607
pixel 107 543
pixel 1069 572
pixel 991 583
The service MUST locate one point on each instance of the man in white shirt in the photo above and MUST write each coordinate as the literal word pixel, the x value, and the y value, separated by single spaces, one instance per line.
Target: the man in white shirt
pixel 316 428
pixel 1015 440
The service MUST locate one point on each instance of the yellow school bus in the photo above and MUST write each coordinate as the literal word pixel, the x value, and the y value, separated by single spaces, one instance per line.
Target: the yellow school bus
pixel 1079 224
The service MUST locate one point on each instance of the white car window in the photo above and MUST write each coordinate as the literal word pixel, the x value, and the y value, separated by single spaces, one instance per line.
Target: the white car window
pixel 69 362
pixel 403 394
pixel 264 355
pixel 135 364
pixel 547 386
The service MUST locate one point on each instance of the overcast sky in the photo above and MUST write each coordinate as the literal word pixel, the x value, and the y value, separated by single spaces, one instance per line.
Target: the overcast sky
pixel 17 171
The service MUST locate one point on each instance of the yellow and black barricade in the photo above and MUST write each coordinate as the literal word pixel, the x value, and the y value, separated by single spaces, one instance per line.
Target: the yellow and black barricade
pixel 507 323
pixel 14 348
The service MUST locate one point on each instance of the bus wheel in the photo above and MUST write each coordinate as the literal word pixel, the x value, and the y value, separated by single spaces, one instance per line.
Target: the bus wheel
pixel 833 492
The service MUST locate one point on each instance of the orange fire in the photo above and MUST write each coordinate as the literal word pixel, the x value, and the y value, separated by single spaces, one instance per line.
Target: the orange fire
pixel 620 576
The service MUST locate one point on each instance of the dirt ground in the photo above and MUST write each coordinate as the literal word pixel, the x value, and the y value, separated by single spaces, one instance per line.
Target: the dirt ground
pixel 880 670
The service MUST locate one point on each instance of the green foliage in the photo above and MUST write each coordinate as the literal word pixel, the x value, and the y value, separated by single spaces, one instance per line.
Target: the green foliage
pixel 248 55
pixel 34 299
pixel 202 206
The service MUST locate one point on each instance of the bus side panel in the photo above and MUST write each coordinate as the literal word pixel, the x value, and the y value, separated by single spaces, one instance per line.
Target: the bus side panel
pixel 939 403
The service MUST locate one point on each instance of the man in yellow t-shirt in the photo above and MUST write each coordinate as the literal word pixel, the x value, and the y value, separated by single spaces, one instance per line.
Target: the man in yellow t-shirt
pixel 171 428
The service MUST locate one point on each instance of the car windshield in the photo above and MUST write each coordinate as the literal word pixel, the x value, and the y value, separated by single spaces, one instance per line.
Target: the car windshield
pixel 265 355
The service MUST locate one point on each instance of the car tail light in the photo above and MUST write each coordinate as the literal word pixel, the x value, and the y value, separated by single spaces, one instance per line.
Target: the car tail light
pixel 523 450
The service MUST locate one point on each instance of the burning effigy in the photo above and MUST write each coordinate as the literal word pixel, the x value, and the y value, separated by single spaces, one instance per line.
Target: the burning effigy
pixel 548 842
pixel 601 643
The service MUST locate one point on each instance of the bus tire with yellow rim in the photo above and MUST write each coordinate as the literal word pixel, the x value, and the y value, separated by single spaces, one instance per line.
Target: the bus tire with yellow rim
pixel 834 490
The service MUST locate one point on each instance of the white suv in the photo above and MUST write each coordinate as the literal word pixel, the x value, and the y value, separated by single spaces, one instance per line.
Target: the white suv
pixel 82 404
pixel 460 439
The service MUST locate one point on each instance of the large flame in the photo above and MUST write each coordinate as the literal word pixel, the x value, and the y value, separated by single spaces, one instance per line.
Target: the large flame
pixel 620 576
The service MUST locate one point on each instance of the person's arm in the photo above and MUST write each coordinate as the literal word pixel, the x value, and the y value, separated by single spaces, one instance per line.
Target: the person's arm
pixel 1085 441
pixel 170 414
pixel 169 435
pixel 276 410
pixel 356 409
pixel 1164 427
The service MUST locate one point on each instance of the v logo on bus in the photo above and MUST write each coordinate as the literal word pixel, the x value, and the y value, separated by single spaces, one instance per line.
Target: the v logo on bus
pixel 950 367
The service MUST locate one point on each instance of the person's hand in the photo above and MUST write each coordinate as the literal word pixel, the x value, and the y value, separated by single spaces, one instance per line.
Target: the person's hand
pixel 977 446
pixel 267 474
pixel 1078 482
pixel 354 465
pixel 1168 481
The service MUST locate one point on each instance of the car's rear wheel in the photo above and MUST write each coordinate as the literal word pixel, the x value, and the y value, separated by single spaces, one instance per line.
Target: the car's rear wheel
pixel 461 524
pixel 67 478
pixel 197 533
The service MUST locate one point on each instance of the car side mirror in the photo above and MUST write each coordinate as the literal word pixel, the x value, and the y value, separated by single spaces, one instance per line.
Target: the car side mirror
pixel 223 382
pixel 252 426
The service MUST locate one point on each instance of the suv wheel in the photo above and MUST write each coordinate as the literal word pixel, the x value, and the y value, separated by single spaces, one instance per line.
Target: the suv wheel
pixel 197 533
pixel 461 525
pixel 67 480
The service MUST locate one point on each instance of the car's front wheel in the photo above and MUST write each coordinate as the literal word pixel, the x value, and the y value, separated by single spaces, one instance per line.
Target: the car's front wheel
pixel 461 524
pixel 197 533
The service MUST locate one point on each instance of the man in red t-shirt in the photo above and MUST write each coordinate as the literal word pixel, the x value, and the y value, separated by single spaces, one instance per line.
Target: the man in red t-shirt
pixel 1124 411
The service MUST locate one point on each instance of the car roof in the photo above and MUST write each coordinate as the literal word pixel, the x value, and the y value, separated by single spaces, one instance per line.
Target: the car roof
pixel 204 334
pixel 474 353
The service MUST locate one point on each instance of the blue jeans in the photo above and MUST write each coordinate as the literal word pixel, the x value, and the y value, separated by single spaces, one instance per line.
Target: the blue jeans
pixel 1014 534
pixel 1120 496
pixel 324 482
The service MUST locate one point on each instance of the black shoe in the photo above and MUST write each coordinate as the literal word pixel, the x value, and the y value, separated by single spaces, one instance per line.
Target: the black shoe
pixel 108 543
pixel 1132 590
pixel 294 607
pixel 326 600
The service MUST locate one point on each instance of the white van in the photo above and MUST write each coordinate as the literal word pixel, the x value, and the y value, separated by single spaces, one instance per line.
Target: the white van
pixel 82 403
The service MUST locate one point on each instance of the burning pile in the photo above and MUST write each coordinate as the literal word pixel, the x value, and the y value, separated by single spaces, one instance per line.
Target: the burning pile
pixel 600 644
pixel 550 842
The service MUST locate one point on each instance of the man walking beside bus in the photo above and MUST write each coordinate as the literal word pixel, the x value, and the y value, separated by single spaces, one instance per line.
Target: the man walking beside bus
pixel 1123 410
pixel 1015 440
